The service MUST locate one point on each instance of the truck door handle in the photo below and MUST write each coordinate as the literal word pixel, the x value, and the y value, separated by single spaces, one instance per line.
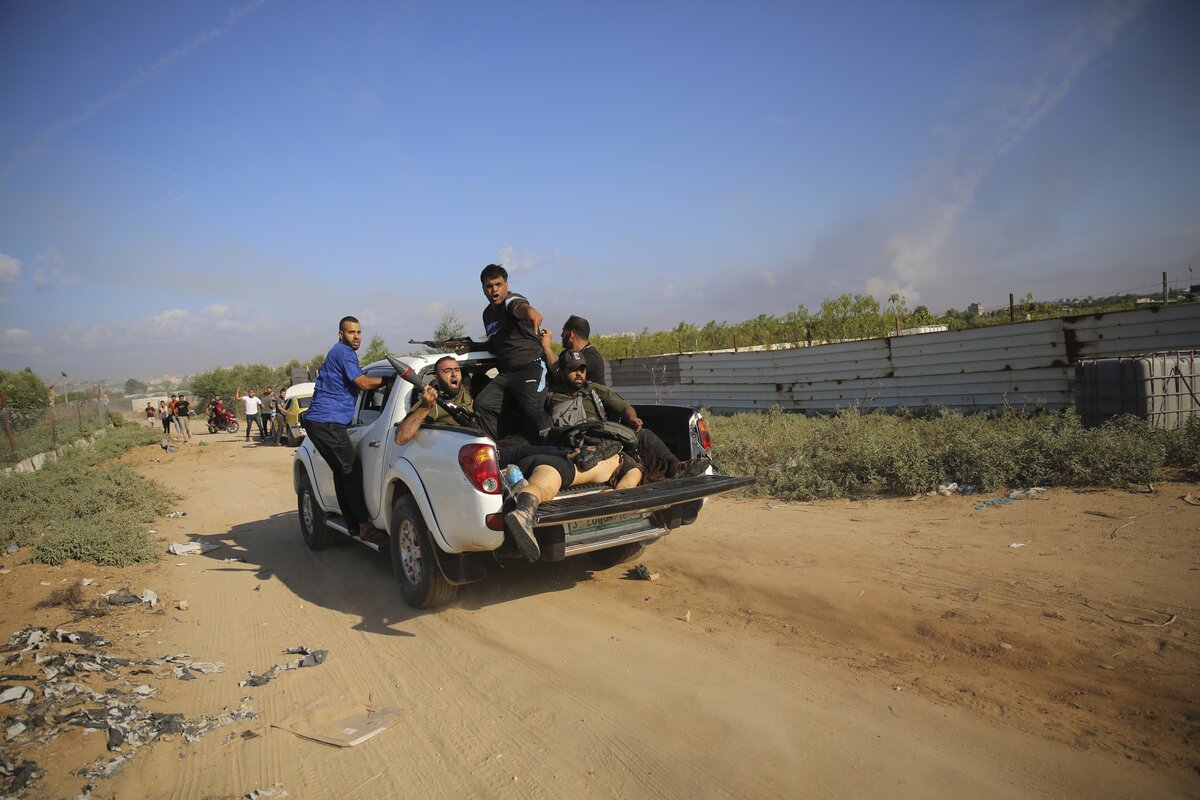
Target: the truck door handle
pixel 372 444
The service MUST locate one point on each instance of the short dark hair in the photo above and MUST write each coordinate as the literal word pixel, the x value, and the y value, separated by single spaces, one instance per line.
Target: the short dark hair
pixel 578 326
pixel 342 322
pixel 438 364
pixel 491 272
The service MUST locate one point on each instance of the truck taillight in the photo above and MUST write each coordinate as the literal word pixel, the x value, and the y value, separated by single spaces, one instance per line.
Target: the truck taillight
pixel 478 462
pixel 705 438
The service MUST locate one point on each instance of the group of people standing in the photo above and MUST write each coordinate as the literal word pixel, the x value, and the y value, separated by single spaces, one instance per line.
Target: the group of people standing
pixel 263 412
pixel 173 413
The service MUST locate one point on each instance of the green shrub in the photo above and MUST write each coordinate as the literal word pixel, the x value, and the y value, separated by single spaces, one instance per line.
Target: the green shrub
pixel 797 457
pixel 84 506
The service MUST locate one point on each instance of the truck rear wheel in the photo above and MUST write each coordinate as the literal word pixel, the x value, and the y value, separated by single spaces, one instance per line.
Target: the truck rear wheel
pixel 414 559
pixel 612 556
pixel 312 519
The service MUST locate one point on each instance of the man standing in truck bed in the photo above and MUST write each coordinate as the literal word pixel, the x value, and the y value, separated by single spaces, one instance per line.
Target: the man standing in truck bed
pixel 512 326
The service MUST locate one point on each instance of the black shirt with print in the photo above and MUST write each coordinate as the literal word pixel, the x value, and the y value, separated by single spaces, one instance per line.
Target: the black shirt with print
pixel 513 340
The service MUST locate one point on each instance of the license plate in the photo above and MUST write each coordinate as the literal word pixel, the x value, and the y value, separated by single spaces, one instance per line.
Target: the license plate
pixel 602 523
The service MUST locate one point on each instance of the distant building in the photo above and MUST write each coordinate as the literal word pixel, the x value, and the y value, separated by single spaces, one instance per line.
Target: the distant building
pixel 976 309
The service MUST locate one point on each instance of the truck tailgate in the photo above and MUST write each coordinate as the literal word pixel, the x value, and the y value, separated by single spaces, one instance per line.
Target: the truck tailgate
pixel 650 497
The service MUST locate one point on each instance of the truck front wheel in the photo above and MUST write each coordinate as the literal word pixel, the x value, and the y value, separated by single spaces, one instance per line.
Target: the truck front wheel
pixel 414 560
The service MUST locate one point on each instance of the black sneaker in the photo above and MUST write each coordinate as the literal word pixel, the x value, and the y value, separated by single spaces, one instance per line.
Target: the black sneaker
pixel 693 467
pixel 588 457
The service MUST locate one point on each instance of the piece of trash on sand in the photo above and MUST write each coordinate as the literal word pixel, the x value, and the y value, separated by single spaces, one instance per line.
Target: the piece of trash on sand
pixel 150 596
pixel 311 659
pixel 17 694
pixel 643 572
pixel 1192 498
pixel 687 617
pixel 190 548
pixel 120 597
pixel 332 725
pixel 87 581
pixel 238 560
pixel 276 790
pixel 1016 544
pixel 13 548
pixel 174 514
pixel 182 605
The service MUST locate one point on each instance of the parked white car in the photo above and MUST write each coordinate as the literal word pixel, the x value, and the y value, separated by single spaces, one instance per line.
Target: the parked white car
pixel 441 498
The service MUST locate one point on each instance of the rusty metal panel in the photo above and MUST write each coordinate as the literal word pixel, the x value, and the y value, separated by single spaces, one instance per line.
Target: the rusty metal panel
pixel 1133 332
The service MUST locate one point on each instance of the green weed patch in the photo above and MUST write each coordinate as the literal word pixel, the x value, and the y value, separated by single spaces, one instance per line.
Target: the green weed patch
pixel 853 454
pixel 85 507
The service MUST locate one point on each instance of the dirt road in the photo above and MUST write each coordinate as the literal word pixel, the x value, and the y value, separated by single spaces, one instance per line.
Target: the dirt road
pixel 849 649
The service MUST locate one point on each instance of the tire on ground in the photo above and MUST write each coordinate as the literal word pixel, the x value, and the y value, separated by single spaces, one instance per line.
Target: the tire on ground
pixel 312 519
pixel 612 556
pixel 414 559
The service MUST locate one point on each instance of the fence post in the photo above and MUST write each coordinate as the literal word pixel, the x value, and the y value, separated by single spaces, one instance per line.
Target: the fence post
pixel 53 420
pixel 12 439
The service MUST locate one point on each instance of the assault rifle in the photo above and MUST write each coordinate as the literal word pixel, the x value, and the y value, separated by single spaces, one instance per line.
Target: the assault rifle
pixel 459 346
pixel 461 415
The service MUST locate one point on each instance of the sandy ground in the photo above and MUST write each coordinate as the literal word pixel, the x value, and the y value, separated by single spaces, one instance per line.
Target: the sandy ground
pixel 834 649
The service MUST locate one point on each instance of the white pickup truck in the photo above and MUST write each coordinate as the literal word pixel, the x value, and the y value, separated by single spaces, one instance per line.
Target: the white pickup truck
pixel 440 497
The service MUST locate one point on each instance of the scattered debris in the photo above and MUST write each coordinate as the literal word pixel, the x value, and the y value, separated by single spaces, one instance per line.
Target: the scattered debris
pixel 190 548
pixel 13 549
pixel 87 581
pixel 176 514
pixel 238 560
pixel 1014 495
pixel 276 790
pixel 687 617
pixel 1015 545
pixel 149 596
pixel 1191 498
pixel 311 659
pixel 182 605
pixel 17 694
pixel 85 638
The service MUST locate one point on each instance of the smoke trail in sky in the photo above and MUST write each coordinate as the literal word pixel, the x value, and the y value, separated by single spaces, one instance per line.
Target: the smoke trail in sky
pixel 143 75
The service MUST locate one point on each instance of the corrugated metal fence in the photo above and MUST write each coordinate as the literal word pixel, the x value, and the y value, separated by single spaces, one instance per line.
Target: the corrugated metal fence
pixel 1019 365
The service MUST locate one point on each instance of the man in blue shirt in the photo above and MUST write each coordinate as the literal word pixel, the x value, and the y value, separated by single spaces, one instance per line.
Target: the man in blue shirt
pixel 330 413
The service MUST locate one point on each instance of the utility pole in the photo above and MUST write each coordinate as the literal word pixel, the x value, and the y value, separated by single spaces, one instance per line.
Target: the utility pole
pixel 1012 311
pixel 1166 295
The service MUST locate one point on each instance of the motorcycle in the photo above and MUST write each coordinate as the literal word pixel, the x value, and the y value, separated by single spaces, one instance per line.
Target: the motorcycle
pixel 225 422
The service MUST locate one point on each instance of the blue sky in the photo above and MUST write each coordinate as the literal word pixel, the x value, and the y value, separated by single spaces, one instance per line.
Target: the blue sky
pixel 188 185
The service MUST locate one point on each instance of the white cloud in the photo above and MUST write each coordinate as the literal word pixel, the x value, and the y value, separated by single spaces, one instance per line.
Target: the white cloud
pixel 10 269
pixel 434 310
pixel 10 272
pixel 18 342
pixel 49 273
pixel 166 325
pixel 518 263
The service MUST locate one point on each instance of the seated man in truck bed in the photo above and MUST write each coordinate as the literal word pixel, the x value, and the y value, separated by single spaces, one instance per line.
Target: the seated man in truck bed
pixel 578 400
pixel 449 386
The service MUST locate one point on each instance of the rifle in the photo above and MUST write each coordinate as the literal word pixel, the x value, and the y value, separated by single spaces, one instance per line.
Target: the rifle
pixel 463 417
pixel 459 346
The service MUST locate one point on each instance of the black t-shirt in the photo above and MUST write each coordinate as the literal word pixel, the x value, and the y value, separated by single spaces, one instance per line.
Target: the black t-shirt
pixel 182 408
pixel 513 340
